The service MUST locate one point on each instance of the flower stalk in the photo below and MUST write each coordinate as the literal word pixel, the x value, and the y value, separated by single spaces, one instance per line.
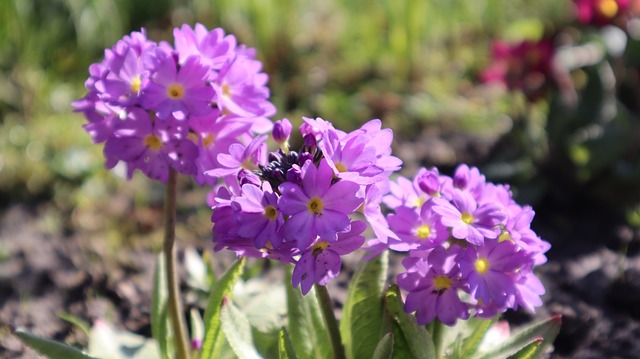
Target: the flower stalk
pixel 175 304
pixel 324 300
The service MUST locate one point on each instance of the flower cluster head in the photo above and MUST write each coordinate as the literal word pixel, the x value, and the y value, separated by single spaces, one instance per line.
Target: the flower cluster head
pixel 158 107
pixel 525 66
pixel 604 12
pixel 471 247
pixel 299 206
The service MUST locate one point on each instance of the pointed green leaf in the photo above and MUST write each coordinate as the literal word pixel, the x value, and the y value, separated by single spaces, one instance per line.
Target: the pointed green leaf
pixel 159 299
pixel 470 344
pixel 418 340
pixel 50 348
pixel 546 329
pixel 306 327
pixel 221 289
pixel 528 352
pixel 237 330
pixel 285 347
pixel 361 323
pixel 384 349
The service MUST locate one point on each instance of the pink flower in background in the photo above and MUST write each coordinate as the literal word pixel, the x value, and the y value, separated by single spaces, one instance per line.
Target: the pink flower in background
pixel 525 66
pixel 604 12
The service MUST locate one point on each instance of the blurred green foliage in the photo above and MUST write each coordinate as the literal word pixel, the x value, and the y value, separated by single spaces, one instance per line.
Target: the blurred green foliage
pixel 412 63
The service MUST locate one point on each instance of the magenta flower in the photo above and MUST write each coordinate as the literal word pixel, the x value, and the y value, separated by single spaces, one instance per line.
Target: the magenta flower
pixel 125 79
pixel 321 262
pixel 240 157
pixel 433 283
pixel 151 146
pixel 467 220
pixel 317 207
pixel 419 231
pixel 259 214
pixel 178 92
pixel 492 271
pixel 603 12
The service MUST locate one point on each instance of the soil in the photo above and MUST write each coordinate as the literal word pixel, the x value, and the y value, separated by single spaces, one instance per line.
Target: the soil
pixel 592 278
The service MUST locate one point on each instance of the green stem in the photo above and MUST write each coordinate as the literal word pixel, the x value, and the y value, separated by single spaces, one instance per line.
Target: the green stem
pixel 436 329
pixel 175 304
pixel 324 300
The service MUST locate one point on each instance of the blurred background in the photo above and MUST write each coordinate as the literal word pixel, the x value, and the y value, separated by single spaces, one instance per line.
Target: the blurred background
pixel 542 95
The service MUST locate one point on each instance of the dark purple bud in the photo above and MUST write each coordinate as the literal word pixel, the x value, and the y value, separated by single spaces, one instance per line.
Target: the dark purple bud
pixel 294 174
pixel 196 344
pixel 304 157
pixel 248 177
pixel 310 141
pixel 281 130
pixel 429 182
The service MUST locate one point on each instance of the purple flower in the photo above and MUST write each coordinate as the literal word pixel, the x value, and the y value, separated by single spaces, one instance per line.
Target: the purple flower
pixel 178 90
pixel 240 157
pixel 492 271
pixel 125 79
pixel 467 220
pixel 420 231
pixel 151 146
pixel 317 207
pixel 259 215
pixel 321 262
pixel 213 47
pixel 433 284
pixel 241 89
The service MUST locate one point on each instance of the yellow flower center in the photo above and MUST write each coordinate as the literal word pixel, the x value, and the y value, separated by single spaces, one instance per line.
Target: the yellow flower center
pixel 423 231
pixel 505 236
pixel 608 8
pixel 226 90
pixel 175 91
pixel 153 142
pixel 441 282
pixel 270 212
pixel 467 218
pixel 208 140
pixel 135 84
pixel 315 205
pixel 482 265
pixel 419 202
pixel 319 247
pixel 341 167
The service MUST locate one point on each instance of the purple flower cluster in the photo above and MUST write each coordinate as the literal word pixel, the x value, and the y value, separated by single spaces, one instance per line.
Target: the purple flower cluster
pixel 158 107
pixel 297 206
pixel 471 248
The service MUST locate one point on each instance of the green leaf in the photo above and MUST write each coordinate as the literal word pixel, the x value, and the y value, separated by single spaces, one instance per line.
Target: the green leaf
pixel 50 348
pixel 528 352
pixel 547 330
pixel 384 349
pixel 285 347
pixel 418 341
pixel 160 327
pixel 306 326
pixel 471 342
pixel 237 330
pixel 222 289
pixel 361 324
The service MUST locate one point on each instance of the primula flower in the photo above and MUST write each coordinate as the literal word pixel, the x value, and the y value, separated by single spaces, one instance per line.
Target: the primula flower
pixel 240 157
pixel 178 90
pixel 433 283
pixel 420 231
pixel 467 219
pixel 321 261
pixel 151 146
pixel 317 207
pixel 492 271
pixel 259 214
pixel 213 47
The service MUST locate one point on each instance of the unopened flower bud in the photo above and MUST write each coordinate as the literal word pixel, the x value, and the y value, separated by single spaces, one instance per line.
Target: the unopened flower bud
pixel 429 182
pixel 281 131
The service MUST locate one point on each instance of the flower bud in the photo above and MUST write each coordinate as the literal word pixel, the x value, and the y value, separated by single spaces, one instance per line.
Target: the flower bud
pixel 429 182
pixel 281 131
